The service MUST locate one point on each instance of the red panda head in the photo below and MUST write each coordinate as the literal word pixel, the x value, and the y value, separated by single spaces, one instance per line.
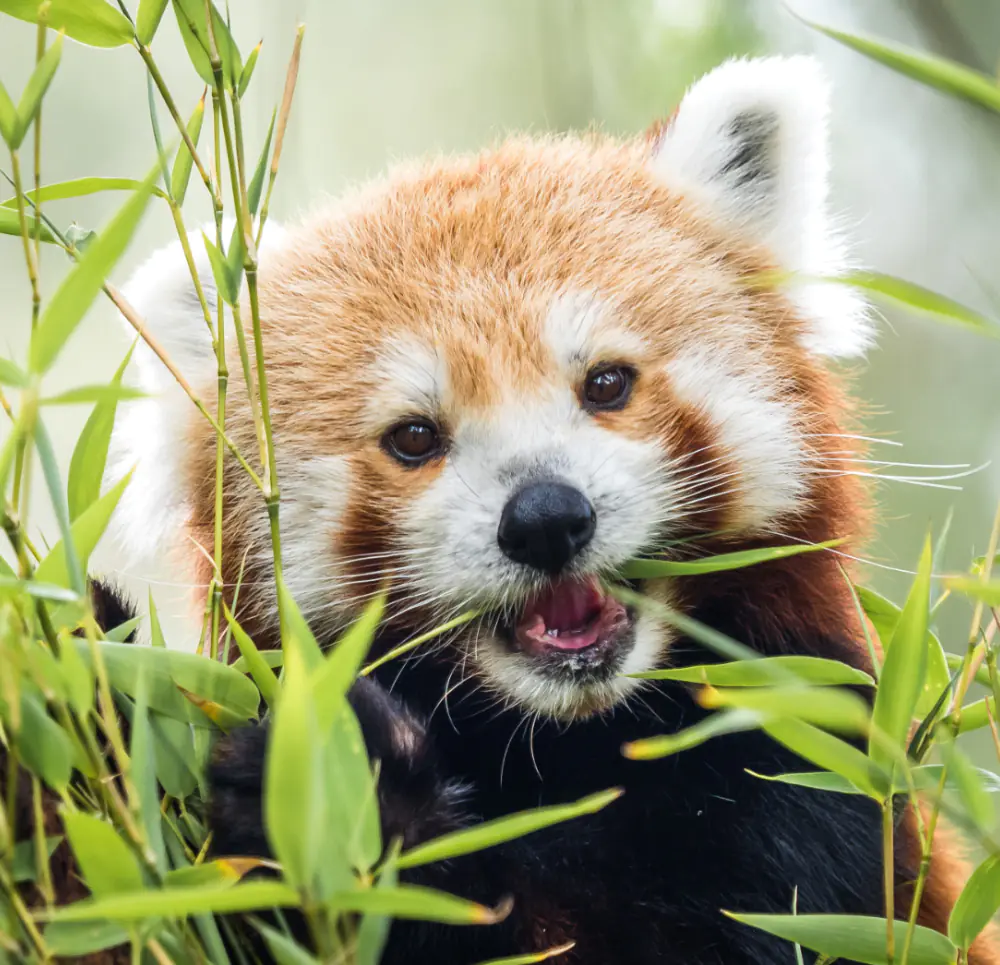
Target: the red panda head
pixel 498 378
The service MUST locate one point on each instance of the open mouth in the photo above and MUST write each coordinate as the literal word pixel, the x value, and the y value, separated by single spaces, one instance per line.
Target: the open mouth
pixel 572 616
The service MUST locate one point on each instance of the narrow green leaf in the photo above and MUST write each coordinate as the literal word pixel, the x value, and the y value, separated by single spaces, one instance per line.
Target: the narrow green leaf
pixel 180 902
pixel 183 163
pixel 818 780
pixel 106 861
pixel 248 69
pixel 71 572
pixel 857 938
pixel 172 673
pixel 271 658
pixel 75 188
pixel 333 679
pixel 424 904
pixel 122 632
pixel 228 285
pixel 829 708
pixel 41 591
pixel 219 873
pixel 904 670
pixel 22 866
pixel 156 638
pixel 971 790
pixel 492 833
pixel 977 903
pixel 976 715
pixel 69 304
pixel 256 666
pixel 90 454
pixel 78 676
pixel 147 19
pixel 652 569
pixel 8 118
pixel 937 72
pixel 72 939
pixel 92 22
pixel 87 531
pixel 373 930
pixel 10 224
pixel 11 374
pixel 43 746
pixel 824 750
pixel 143 759
pixel 533 957
pixel 176 765
pixel 284 950
pixel 34 91
pixel 767 670
pixel 293 778
pixel 257 181
pixel 727 722
pixel 970 586
pixel 296 634
pixel 87 394
pixel 194 31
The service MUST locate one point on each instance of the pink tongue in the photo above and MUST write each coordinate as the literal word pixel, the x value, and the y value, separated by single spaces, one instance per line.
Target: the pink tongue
pixel 568 615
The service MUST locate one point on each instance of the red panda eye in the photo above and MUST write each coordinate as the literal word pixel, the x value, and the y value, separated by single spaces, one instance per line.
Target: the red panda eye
pixel 412 443
pixel 608 388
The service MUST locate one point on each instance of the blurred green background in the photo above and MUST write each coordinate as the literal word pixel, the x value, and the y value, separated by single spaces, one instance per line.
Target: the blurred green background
pixel 917 181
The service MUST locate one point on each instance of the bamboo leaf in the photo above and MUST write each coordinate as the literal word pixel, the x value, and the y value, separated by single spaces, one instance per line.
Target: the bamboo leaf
pixel 284 950
pixel 10 223
pixel 40 591
pixel 90 454
pixel 225 280
pixel 254 662
pixel 8 119
pixel 652 569
pixel 71 571
pixel 293 804
pixel 43 746
pixel 75 188
pixel 423 904
pixel 937 72
pixel 66 308
pixel 971 790
pixel 492 833
pixel 257 181
pixel 91 22
pixel 169 672
pixel 976 589
pixel 147 19
pixel 373 930
pixel 194 31
pixel 829 708
pixel 727 722
pixel 87 394
pixel 904 670
pixel 295 634
pixel 977 903
pixel 144 767
pixel 824 750
pixel 218 873
pixel 71 939
pixel 11 374
pixel 181 173
pixel 34 91
pixel 534 956
pixel 857 938
pixel 23 866
pixel 106 861
pixel 248 69
pixel 87 531
pixel 179 902
pixel 818 671
pixel 818 780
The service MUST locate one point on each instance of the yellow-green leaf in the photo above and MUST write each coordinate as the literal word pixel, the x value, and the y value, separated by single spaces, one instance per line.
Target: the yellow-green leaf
pixel 415 901
pixel 818 671
pixel 533 957
pixel 498 831
pixel 818 780
pixel 43 746
pixel 75 188
pixel 193 26
pixel 254 662
pixel 106 862
pixel 181 173
pixel 257 181
pixel 34 91
pixel 8 119
pixel 247 73
pixel 727 722
pixel 147 19
pixel 824 750
pixel 904 669
pixel 977 903
pixel 91 22
pixel 857 938
pixel 829 708
pixel 71 939
pixel 652 569
pixel 64 311
pixel 10 224
pixel 986 592
pixel 296 634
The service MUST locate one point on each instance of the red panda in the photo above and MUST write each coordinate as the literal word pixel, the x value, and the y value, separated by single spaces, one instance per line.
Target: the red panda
pixel 495 379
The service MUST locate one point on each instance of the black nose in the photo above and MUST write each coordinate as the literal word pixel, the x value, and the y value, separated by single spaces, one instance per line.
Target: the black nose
pixel 545 525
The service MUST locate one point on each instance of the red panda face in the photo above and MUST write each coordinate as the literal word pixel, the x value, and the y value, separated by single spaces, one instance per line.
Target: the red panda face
pixel 498 379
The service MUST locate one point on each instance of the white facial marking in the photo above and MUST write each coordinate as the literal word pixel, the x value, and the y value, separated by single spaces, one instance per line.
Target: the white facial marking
pixel 756 429
pixel 580 329
pixel 410 378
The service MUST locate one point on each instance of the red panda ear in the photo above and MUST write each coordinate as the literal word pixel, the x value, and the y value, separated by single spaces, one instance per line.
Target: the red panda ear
pixel 750 141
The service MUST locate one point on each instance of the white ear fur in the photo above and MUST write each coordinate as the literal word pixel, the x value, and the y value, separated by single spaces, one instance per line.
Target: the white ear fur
pixel 750 141
pixel 150 433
